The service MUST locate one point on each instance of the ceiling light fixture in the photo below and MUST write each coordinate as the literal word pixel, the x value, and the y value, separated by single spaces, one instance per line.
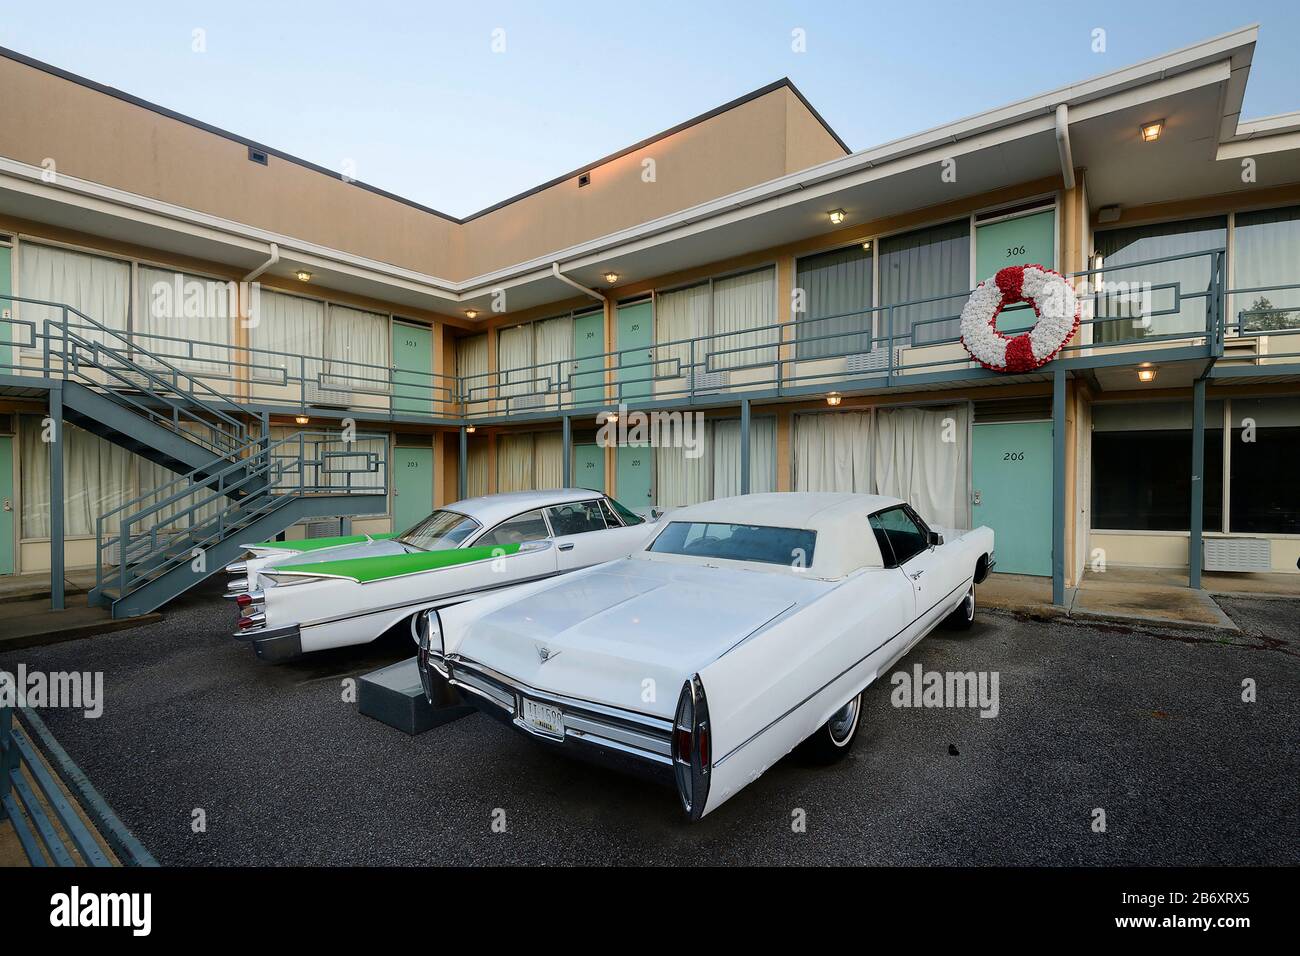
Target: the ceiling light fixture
pixel 469 429
pixel 301 419
pixel 611 417
pixel 837 216
pixel 303 275
pixel 471 313
pixel 866 246
pixel 834 398
pixel 1151 131
pixel 1146 373
pixel 611 277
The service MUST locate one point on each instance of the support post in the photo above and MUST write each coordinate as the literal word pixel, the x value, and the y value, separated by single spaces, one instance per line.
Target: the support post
pixel 744 446
pixel 566 450
pixel 56 499
pixel 1058 487
pixel 462 467
pixel 1198 484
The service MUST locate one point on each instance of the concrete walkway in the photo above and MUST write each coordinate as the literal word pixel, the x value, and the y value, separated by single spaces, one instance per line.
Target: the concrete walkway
pixel 1156 595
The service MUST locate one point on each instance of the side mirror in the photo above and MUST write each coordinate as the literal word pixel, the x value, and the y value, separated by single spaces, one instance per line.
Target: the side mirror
pixel 656 514
pixel 935 539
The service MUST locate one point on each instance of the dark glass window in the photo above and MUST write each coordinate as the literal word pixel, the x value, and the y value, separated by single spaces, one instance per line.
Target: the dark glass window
pixel 836 319
pixel 738 542
pixel 578 517
pixel 1141 480
pixel 899 536
pixel 530 526
pixel 1264 488
pixel 629 517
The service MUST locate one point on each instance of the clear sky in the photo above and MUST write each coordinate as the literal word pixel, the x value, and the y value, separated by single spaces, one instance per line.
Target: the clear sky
pixel 417 100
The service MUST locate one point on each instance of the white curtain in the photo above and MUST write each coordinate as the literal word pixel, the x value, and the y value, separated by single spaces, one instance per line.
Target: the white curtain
pixel 288 326
pixel 356 350
pixel 553 351
pixel 548 460
pixel 927 263
pixel 95 286
pixel 921 457
pixel 726 457
pixel 476 463
pixel 97 477
pixel 514 358
pixel 515 463
pixel 739 303
pixel 186 320
pixel 679 479
pixel 1266 247
pixel 472 365
pixel 681 314
pixel 832 452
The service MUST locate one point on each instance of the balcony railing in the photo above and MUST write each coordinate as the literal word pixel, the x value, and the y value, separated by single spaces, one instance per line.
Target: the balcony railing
pixel 1170 303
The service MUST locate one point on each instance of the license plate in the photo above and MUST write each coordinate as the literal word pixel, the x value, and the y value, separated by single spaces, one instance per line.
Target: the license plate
pixel 543 717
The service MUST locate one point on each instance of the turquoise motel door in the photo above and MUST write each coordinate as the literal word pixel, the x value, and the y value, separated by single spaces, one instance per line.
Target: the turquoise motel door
pixel 412 486
pixel 7 507
pixel 8 331
pixel 1018 241
pixel 588 347
pixel 636 351
pixel 412 369
pixel 589 467
pixel 635 470
pixel 1011 480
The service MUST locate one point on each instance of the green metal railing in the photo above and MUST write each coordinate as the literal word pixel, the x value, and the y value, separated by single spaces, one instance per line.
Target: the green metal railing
pixel 25 806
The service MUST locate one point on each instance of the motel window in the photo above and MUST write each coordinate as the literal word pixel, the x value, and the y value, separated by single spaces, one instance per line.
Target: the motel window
pixel 472 365
pixel 1266 254
pixel 186 320
pixel 681 479
pixel 1264 460
pixel 733 317
pixel 96 286
pixel 836 315
pixel 337 350
pixel 928 264
pixel 534 358
pixel 530 461
pixel 1161 299
pixel 1141 466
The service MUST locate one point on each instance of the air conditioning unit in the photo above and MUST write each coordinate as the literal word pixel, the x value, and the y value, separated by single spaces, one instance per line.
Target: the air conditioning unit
pixel 1237 554
pixel 702 381
pixel 322 397
pixel 521 402
pixel 877 360
pixel 324 528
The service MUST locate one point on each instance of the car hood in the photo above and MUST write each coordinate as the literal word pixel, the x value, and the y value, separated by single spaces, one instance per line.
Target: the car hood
pixel 628 633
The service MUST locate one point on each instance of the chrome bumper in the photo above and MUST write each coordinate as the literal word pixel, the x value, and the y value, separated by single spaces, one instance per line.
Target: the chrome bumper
pixel 609 735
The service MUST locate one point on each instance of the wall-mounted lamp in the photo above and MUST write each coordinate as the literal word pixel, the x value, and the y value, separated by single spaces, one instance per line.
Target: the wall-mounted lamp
pixel 838 216
pixel 471 313
pixel 1146 373
pixel 834 398
pixel 301 419
pixel 611 277
pixel 303 275
pixel 1151 131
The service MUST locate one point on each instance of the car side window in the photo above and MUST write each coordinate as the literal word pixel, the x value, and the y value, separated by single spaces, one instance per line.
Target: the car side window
pixel 530 526
pixel 611 519
pixel 576 517
pixel 899 537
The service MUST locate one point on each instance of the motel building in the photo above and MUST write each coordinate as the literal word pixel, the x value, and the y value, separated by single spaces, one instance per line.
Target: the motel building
pixel 205 341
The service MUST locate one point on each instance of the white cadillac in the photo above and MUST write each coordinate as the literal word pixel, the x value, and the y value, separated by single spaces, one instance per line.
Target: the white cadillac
pixel 300 596
pixel 747 627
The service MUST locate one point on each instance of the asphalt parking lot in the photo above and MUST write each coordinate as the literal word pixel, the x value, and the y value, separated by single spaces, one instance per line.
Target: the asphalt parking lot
pixel 1147 725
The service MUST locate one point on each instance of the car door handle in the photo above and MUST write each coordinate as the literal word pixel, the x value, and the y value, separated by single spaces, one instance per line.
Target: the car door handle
pixel 567 547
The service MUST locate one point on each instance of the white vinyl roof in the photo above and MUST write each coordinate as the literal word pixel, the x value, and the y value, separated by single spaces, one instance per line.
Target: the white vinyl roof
pixel 489 509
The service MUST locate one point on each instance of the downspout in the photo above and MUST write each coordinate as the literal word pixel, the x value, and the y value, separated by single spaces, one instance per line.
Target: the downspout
pixel 555 271
pixel 1063 145
pixel 275 257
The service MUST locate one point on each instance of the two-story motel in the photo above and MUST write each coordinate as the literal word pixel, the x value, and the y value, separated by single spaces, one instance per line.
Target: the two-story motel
pixel 745 265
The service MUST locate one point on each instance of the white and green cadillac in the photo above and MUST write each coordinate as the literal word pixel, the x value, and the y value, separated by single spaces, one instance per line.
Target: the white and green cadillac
pixel 300 596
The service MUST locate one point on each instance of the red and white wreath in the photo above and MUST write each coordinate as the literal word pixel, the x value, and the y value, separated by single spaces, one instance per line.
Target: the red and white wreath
pixel 1054 303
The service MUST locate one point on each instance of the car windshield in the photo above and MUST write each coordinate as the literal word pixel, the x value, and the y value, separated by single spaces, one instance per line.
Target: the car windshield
pixel 738 542
pixel 442 529
pixel 629 517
